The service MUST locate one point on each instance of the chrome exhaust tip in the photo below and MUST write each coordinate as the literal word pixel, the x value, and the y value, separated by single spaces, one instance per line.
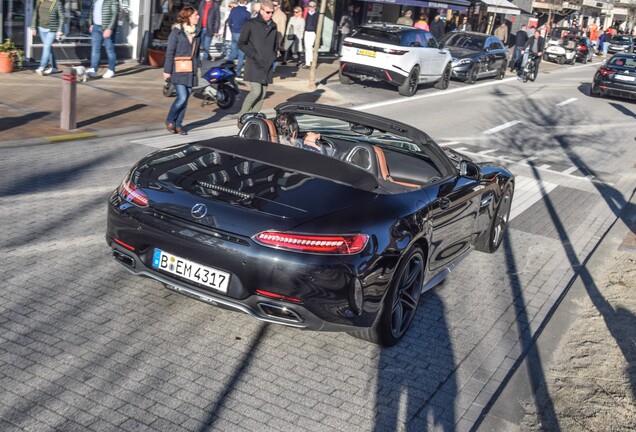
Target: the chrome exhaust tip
pixel 280 312
pixel 124 259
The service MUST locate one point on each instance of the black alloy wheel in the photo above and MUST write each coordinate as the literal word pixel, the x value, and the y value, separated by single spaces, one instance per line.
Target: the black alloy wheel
pixel 400 303
pixel 444 81
pixel 409 87
pixel 471 77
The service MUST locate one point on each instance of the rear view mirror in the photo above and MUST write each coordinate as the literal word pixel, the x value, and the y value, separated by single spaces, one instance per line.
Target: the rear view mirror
pixel 469 170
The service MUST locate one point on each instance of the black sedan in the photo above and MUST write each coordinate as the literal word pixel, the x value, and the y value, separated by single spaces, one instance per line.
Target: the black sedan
pixel 342 240
pixel 476 55
pixel 621 44
pixel 616 77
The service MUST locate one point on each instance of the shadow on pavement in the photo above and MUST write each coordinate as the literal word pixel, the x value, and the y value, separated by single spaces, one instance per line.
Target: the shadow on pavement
pixel 110 115
pixel 7 123
pixel 416 385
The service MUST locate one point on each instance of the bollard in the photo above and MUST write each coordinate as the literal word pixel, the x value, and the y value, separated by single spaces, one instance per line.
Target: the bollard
pixel 68 117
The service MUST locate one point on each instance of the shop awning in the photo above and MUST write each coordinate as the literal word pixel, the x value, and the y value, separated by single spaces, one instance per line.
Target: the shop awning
pixel 458 5
pixel 501 7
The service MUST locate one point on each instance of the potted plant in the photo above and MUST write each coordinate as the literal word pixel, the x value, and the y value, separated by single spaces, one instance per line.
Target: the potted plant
pixel 10 54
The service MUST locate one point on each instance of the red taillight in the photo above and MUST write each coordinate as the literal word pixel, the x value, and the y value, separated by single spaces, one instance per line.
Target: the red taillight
pixel 347 43
pixel 605 72
pixel 321 244
pixel 394 51
pixel 278 296
pixel 132 194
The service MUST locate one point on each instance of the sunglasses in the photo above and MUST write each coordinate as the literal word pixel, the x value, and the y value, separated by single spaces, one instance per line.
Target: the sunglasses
pixel 312 6
pixel 267 12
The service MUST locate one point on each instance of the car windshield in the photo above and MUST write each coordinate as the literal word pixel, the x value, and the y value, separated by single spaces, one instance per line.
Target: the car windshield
pixel 620 38
pixel 462 40
pixel 347 131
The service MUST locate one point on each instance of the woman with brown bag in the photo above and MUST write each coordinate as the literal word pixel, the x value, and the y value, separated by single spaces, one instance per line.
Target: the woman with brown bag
pixel 182 63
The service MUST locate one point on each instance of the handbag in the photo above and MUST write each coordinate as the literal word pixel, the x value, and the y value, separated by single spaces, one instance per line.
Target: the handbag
pixel 290 33
pixel 184 64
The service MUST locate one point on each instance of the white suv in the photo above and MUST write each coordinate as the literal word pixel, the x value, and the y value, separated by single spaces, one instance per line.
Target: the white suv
pixel 399 55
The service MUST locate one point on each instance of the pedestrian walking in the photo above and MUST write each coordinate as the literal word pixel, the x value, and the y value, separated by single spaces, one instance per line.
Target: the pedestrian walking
pixel 102 21
pixel 294 36
pixel 237 19
pixel 593 35
pixel 438 28
pixel 48 21
pixel 520 41
pixel 259 42
pixel 210 24
pixel 501 32
pixel 406 19
pixel 345 27
pixel 311 25
pixel 280 19
pixel 422 23
pixel 465 25
pixel 607 37
pixel 181 65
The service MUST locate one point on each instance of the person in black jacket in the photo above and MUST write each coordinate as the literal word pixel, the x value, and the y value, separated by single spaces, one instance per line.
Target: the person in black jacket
pixel 438 28
pixel 259 42
pixel 210 14
pixel 533 47
pixel 520 41
pixel 183 41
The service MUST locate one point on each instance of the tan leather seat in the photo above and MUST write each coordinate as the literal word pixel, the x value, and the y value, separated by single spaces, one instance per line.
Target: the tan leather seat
pixel 383 169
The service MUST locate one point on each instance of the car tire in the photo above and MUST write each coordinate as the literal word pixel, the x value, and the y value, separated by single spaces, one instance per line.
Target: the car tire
pixel 498 224
pixel 561 60
pixel 471 76
pixel 501 73
pixel 409 86
pixel 594 91
pixel 444 81
pixel 400 302
pixel 344 79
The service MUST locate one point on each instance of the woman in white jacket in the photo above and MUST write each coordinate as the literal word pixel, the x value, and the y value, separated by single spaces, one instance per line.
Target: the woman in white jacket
pixel 294 36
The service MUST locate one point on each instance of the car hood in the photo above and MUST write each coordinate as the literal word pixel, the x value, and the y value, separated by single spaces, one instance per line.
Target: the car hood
pixel 244 195
pixel 460 53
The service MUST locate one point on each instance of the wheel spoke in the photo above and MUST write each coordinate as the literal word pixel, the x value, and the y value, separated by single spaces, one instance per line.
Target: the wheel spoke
pixel 408 301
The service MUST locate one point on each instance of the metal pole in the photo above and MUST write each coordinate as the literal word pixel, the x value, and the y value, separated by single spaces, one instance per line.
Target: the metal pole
pixel 68 116
pixel 312 69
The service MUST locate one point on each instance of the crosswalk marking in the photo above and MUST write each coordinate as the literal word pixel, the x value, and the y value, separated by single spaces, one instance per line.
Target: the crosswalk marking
pixel 527 192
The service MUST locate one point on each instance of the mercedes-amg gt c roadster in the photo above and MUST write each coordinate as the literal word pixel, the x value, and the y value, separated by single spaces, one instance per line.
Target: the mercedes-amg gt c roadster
pixel 342 239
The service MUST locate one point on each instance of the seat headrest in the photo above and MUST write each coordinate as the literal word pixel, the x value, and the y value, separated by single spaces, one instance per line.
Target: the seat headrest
pixel 255 128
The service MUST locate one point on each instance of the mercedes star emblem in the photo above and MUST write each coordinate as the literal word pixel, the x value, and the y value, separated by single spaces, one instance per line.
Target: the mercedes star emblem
pixel 198 211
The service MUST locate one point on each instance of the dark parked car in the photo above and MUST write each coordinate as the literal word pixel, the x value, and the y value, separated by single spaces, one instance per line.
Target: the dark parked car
pixel 621 44
pixel 345 242
pixel 616 77
pixel 476 55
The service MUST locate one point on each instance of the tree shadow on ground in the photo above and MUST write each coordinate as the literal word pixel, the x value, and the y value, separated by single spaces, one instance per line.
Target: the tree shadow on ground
pixel 110 115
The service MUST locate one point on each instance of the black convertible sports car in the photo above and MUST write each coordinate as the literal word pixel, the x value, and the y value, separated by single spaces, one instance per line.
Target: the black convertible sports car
pixel 345 242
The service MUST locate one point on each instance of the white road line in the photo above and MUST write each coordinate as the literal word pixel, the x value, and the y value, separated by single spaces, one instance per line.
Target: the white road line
pixel 569 170
pixel 163 141
pixel 501 127
pixel 461 148
pixel 484 152
pixel 565 102
pixel 543 167
pixel 527 192
pixel 449 143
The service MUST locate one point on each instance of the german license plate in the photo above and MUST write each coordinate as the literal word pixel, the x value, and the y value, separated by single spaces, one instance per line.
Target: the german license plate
pixel 624 78
pixel 368 53
pixel 203 275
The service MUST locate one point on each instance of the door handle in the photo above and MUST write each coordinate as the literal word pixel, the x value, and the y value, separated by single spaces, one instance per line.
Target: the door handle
pixel 444 203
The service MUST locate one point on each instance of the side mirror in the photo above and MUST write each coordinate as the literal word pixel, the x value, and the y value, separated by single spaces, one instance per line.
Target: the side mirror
pixel 469 170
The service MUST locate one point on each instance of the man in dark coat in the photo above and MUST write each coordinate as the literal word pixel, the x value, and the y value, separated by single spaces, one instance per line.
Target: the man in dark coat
pixel 438 28
pixel 210 22
pixel 520 41
pixel 259 42
pixel 533 47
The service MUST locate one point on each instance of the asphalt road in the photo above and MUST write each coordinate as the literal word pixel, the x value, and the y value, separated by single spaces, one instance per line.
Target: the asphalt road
pixel 86 346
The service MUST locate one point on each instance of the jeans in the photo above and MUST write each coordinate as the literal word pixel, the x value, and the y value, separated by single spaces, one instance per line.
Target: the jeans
pixel 178 108
pixel 254 99
pixel 205 44
pixel 235 52
pixel 47 37
pixel 98 38
pixel 605 48
pixel 516 55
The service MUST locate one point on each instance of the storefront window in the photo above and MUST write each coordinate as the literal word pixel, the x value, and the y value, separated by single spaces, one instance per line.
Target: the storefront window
pixel 13 14
pixel 76 26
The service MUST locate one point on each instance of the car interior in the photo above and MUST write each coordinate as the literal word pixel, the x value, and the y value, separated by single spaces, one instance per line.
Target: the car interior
pixel 397 171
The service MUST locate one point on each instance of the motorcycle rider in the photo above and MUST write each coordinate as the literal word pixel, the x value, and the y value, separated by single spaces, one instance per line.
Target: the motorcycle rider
pixel 534 47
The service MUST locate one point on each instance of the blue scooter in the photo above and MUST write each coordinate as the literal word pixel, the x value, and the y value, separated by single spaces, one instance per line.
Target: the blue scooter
pixel 221 87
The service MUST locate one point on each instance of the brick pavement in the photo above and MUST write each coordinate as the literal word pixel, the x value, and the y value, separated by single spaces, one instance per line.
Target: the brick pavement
pixel 132 101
